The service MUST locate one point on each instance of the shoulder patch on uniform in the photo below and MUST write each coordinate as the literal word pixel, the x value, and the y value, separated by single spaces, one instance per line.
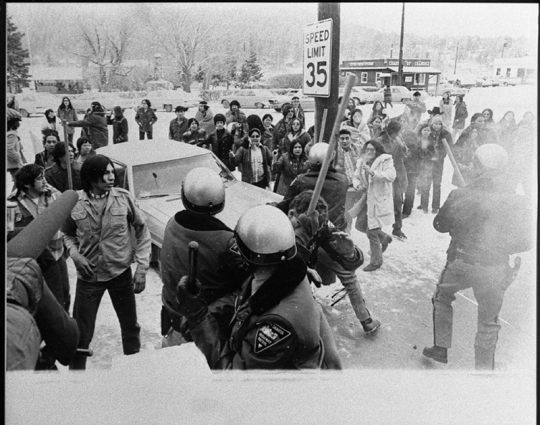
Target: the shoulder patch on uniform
pixel 268 335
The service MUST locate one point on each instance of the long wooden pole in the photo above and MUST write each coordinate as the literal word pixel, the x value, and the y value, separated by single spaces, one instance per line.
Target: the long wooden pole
pixel 461 180
pixel 349 83
pixel 68 162
pixel 323 125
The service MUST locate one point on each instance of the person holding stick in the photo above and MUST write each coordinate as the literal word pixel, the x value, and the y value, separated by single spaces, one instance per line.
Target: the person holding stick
pixel 220 264
pixel 277 324
pixel 487 223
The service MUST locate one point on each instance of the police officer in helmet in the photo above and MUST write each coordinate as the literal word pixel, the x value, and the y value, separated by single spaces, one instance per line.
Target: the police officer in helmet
pixel 487 223
pixel 277 323
pixel 220 265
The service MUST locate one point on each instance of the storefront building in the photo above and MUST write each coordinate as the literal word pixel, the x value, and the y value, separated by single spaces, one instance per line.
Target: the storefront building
pixel 417 73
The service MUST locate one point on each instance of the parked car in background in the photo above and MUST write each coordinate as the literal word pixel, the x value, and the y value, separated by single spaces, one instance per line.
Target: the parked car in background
pixel 438 90
pixel 167 100
pixel 153 170
pixel 508 81
pixel 399 94
pixel 486 82
pixel 108 100
pixel 306 102
pixel 31 102
pixel 253 99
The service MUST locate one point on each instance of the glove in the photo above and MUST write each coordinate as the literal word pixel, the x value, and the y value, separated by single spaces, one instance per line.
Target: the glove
pixel 305 226
pixel 139 282
pixel 342 244
pixel 189 304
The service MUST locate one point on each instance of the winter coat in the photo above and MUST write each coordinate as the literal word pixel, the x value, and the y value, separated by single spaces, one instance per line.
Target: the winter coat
pixel 177 129
pixel 67 115
pixel 413 158
pixel 145 119
pixel 379 192
pixel 120 126
pixel 359 134
pixel 243 157
pixel 281 129
pixel 206 120
pixel 97 126
pixel 460 115
pixel 221 143
pixel 57 177
pixel 446 109
pixel 414 110
pixel 387 93
pixel 268 137
pixel 280 326
pixel 334 192
pixel 236 116
pixel 285 143
pixel 14 151
pixel 288 168
pixel 398 151
pixel 198 137
pixel 428 158
pixel 44 159
pixel 438 144
pixel 354 152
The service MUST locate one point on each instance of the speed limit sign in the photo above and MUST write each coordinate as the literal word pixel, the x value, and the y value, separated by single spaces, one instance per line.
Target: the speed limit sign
pixel 317 58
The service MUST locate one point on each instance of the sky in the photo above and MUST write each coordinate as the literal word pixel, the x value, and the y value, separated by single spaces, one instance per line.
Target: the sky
pixel 482 19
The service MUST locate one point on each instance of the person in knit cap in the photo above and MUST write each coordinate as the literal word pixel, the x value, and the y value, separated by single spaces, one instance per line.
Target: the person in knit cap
pixel 235 115
pixel 221 141
pixel 205 116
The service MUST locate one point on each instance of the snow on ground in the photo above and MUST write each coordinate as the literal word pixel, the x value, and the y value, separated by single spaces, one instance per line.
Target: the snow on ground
pixel 398 294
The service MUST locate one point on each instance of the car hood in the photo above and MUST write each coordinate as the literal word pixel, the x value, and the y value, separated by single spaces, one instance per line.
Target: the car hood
pixel 239 197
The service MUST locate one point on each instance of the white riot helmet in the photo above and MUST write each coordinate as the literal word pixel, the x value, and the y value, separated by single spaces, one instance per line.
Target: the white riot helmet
pixel 265 236
pixel 317 153
pixel 203 191
pixel 492 158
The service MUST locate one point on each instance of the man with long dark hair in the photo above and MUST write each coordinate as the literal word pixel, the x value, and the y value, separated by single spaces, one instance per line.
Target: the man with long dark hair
pixel 98 237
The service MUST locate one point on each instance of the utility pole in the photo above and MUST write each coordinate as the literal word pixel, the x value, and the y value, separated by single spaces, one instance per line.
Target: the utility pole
pixel 455 63
pixel 400 66
pixel 329 11
pixel 391 50
pixel 502 53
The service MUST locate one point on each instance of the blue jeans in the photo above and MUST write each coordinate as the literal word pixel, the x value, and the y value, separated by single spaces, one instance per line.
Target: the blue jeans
pixel 87 299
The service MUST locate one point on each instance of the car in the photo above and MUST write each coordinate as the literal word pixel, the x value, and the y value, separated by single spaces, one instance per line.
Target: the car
pixel 508 81
pixel 438 90
pixel 153 170
pixel 399 94
pixel 486 82
pixel 108 100
pixel 253 99
pixel 31 102
pixel 306 102
pixel 167 100
pixel 360 95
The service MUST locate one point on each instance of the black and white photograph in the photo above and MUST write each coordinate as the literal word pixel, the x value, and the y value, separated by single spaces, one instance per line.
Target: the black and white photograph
pixel 261 213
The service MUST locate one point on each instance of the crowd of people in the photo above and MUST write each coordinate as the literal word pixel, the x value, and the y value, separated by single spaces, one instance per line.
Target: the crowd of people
pixel 253 306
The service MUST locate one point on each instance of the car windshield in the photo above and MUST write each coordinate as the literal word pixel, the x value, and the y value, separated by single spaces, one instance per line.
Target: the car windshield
pixel 165 178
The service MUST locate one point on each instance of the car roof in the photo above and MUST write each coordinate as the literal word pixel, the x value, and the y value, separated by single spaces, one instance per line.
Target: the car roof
pixel 142 152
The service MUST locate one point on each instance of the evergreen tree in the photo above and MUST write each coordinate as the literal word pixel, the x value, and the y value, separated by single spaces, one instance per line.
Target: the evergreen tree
pixel 17 67
pixel 251 70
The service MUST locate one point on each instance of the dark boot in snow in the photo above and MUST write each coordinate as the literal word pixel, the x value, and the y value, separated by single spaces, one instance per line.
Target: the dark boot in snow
pixel 439 354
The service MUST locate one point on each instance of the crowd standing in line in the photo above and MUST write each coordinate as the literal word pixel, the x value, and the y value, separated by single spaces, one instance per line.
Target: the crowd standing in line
pixel 377 169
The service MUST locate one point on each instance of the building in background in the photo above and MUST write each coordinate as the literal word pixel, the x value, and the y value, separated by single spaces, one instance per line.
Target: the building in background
pixel 417 73
pixel 511 71
pixel 57 79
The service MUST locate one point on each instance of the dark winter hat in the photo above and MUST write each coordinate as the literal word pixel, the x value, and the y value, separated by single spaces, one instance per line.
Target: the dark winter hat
pixel 254 121
pixel 180 109
pixel 205 104
pixel 286 108
pixel 417 93
pixel 234 102
pixel 435 111
pixel 219 117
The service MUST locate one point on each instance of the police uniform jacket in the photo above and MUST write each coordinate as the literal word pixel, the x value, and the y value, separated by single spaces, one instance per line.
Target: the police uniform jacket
pixel 278 327
pixel 334 192
pixel 486 223
pixel 219 264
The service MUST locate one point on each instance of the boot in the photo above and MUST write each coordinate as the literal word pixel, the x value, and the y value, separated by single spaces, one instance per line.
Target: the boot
pixel 78 363
pixel 370 326
pixel 439 354
pixel 484 358
pixel 387 240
